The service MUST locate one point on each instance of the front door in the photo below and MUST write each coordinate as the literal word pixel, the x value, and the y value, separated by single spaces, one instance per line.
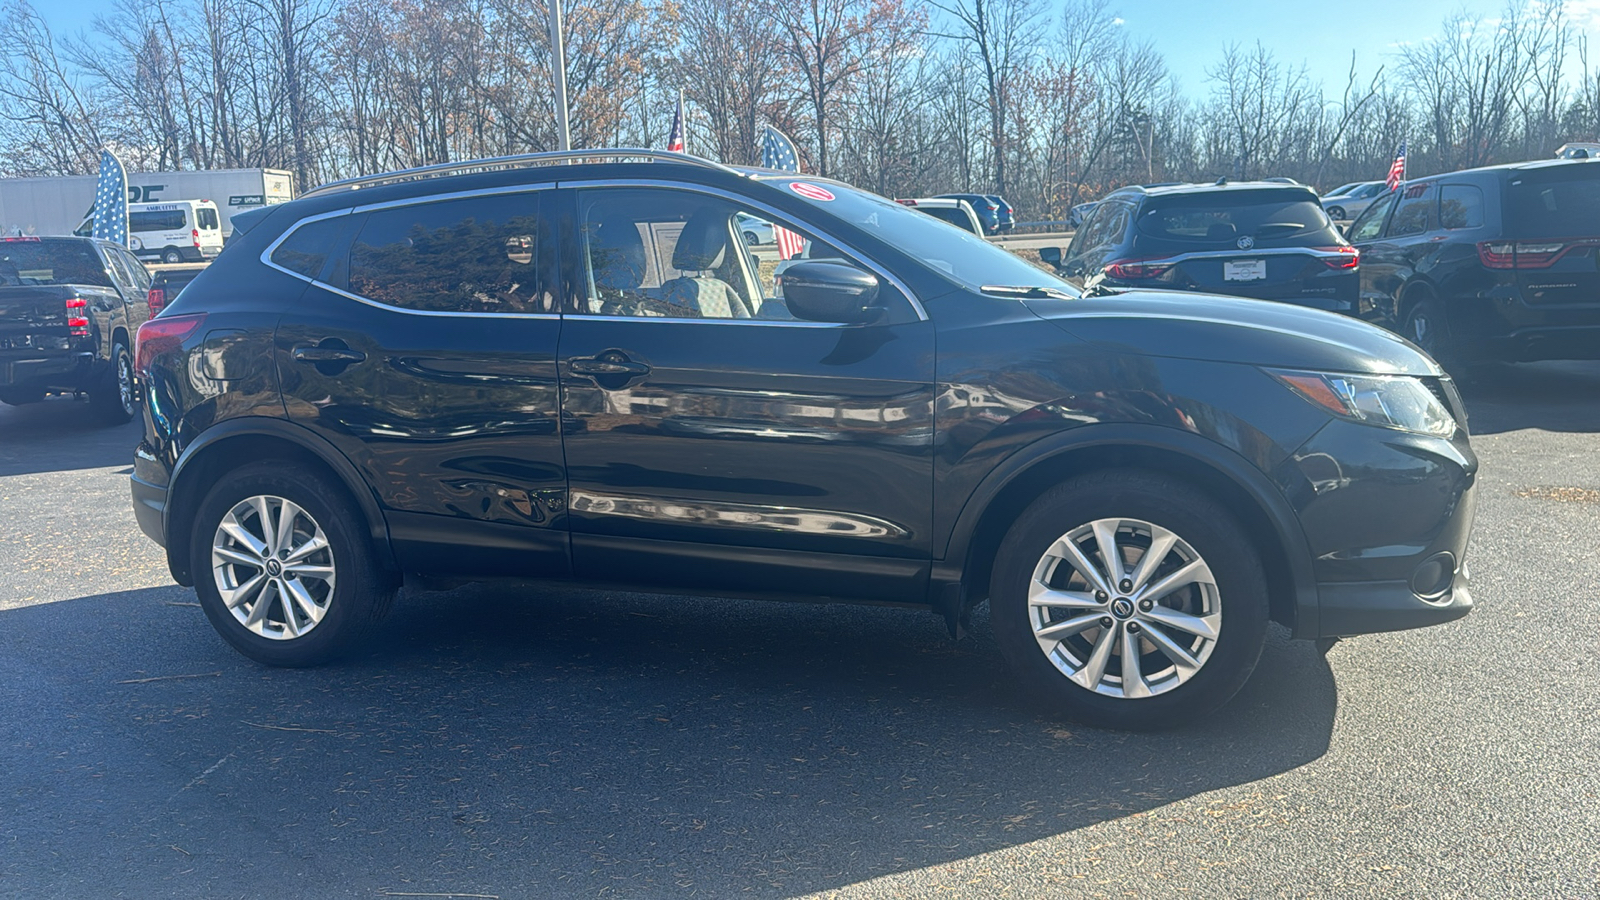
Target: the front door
pixel 424 349
pixel 713 440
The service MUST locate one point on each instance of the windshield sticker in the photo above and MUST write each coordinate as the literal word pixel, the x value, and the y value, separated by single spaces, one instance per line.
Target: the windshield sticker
pixel 811 191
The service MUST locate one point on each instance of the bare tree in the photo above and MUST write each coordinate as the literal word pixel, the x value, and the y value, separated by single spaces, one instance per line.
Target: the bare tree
pixel 1001 34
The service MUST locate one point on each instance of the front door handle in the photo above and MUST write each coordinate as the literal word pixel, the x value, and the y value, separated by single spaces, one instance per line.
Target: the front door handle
pixel 327 355
pixel 611 362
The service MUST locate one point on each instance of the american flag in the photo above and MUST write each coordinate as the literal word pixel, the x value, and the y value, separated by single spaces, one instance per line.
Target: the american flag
pixel 1397 169
pixel 777 152
pixel 111 200
pixel 675 137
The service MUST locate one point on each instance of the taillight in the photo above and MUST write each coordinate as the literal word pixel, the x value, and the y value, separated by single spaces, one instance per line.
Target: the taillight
pixel 1525 254
pixel 77 317
pixel 1348 258
pixel 195 233
pixel 1136 268
pixel 163 335
pixel 156 300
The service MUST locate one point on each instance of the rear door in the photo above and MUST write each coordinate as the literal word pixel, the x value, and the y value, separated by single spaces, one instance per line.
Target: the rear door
pixel 715 442
pixel 424 349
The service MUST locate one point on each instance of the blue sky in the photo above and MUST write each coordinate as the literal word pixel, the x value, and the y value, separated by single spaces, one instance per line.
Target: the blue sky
pixel 1192 33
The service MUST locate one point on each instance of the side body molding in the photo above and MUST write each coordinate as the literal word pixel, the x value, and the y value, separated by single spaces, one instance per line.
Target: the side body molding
pixel 188 483
pixel 1145 446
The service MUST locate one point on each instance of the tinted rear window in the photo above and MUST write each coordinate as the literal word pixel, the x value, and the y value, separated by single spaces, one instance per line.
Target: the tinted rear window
pixel 1559 202
pixel 1222 218
pixel 51 262
pixel 955 217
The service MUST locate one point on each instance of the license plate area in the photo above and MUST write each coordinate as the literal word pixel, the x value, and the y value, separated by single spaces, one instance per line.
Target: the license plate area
pixel 1244 270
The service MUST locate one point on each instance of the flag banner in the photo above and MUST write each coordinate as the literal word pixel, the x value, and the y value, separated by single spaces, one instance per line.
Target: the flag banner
pixel 111 200
pixel 675 137
pixel 777 152
pixel 1397 169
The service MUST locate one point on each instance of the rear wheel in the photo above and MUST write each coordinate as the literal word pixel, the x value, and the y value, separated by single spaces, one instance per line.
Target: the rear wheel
pixel 171 255
pixel 284 570
pixel 750 239
pixel 1127 600
pixel 1425 326
pixel 112 400
pixel 1337 213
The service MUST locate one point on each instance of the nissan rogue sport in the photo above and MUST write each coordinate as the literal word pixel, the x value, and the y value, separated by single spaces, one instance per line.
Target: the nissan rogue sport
pixel 571 367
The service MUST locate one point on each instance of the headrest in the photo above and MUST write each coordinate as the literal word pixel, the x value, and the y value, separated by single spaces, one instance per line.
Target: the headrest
pixel 702 241
pixel 616 255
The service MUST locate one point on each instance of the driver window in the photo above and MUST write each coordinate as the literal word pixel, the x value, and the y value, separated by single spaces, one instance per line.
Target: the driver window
pixel 655 252
pixel 1370 225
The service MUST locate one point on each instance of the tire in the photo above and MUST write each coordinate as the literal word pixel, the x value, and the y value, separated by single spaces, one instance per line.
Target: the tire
pixel 1228 600
pixel 1426 326
pixel 346 592
pixel 1337 213
pixel 171 255
pixel 750 239
pixel 112 400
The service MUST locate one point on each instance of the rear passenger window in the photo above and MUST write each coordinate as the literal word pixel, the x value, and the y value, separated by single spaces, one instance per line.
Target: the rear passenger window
pixel 1412 216
pixel 305 252
pixel 1460 206
pixel 476 255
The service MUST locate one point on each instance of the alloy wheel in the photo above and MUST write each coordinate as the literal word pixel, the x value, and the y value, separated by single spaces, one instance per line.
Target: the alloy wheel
pixel 1124 608
pixel 273 567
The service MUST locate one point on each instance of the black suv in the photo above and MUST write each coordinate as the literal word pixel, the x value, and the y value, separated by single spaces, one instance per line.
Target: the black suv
pixel 1264 240
pixel 579 372
pixel 1500 263
pixel 69 307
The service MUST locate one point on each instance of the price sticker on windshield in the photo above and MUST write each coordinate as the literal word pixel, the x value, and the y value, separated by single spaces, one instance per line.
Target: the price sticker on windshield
pixel 811 191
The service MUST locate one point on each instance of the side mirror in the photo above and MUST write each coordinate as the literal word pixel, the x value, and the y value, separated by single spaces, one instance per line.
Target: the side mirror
pixel 823 291
pixel 1051 256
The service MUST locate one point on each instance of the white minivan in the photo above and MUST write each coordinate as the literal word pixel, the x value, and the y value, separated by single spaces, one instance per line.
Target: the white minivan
pixel 173 231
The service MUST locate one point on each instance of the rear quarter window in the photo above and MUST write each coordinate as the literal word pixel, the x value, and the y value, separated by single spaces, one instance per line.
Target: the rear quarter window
pixel 1460 206
pixel 305 251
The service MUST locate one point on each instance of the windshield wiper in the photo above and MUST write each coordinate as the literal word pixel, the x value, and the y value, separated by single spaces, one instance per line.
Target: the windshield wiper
pixel 1026 292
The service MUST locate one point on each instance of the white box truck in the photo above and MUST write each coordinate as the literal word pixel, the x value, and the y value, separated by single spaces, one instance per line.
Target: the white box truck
pixel 58 205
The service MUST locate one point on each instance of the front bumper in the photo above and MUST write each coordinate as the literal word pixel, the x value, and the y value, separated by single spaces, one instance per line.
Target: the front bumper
pixel 1365 607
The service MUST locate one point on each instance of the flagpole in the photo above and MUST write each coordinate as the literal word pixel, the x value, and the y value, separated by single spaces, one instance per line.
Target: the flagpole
pixel 558 74
pixel 684 119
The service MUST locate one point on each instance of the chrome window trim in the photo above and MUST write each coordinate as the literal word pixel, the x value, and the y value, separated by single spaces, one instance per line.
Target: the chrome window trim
pixel 266 255
pixel 786 323
pixel 916 304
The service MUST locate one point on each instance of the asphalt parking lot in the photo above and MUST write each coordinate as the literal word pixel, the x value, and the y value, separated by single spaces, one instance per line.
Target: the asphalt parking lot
pixel 556 743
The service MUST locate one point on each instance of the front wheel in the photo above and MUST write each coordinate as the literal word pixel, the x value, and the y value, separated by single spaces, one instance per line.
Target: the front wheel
pixel 1337 213
pixel 1127 600
pixel 283 567
pixel 112 400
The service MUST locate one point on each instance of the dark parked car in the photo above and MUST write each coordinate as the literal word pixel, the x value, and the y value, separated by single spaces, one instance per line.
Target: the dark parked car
pixel 987 209
pixel 168 282
pixel 1500 263
pixel 1254 239
pixel 69 307
pixel 1007 215
pixel 573 373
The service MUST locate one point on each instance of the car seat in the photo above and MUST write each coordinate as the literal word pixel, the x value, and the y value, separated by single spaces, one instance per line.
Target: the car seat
pixel 702 246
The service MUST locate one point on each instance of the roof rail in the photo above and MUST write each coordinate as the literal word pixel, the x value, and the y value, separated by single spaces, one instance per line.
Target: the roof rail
pixel 523 161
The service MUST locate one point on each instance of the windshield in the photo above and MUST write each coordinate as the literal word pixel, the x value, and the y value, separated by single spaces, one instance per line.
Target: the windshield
pixel 25 261
pixel 1558 202
pixel 960 255
pixel 1223 218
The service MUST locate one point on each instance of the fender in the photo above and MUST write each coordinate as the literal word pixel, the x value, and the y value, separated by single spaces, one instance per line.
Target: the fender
pixel 261 426
pixel 1255 484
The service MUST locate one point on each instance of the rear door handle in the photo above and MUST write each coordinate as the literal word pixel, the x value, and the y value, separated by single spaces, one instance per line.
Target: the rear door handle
pixel 612 362
pixel 327 354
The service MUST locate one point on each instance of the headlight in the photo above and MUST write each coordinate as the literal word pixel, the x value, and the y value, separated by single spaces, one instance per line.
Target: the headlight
pixel 1388 401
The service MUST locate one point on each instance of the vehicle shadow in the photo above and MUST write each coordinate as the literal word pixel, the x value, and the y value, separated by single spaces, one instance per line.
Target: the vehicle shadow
pixel 1551 396
pixel 59 434
pixel 569 743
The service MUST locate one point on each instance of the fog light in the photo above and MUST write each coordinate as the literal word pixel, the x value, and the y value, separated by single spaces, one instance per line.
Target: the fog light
pixel 1434 577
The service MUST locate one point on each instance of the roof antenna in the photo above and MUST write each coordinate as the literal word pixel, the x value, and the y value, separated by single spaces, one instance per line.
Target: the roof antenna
pixel 1221 181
